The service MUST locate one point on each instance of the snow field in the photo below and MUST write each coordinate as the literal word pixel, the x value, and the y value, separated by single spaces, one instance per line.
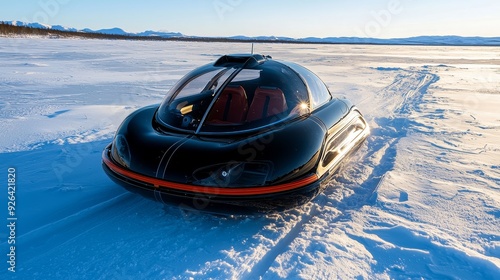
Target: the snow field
pixel 421 199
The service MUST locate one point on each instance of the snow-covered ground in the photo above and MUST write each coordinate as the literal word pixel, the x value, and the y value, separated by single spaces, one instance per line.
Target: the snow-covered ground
pixel 421 198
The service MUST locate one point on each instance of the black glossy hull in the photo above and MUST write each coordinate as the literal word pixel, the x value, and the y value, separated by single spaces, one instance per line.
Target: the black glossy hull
pixel 222 204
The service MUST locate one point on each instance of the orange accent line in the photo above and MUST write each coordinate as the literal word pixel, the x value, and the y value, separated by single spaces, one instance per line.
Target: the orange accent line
pixel 157 183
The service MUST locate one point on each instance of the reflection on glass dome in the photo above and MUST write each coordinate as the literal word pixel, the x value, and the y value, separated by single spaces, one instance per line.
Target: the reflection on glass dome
pixel 229 96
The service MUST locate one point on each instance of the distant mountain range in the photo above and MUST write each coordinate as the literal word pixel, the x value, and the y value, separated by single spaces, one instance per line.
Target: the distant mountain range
pixel 420 40
pixel 110 31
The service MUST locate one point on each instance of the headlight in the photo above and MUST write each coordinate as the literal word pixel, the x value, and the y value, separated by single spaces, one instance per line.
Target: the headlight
pixel 120 151
pixel 233 174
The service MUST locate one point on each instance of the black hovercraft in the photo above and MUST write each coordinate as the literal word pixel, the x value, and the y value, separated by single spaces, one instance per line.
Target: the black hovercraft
pixel 243 134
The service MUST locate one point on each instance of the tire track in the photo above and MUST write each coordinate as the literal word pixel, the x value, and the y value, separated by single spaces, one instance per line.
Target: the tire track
pixel 399 96
pixel 264 263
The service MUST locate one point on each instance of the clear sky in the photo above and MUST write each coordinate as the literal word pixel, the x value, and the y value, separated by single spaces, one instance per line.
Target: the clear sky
pixel 291 18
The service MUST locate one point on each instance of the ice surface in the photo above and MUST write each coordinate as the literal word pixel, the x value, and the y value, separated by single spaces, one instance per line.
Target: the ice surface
pixel 420 199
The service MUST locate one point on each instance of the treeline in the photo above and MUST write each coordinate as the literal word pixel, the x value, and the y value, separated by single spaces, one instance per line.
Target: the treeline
pixel 7 29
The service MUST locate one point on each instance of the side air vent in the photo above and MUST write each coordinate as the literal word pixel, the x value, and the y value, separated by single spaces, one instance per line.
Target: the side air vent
pixel 343 142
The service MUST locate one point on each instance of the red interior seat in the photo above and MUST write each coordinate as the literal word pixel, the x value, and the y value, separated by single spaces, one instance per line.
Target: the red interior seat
pixel 267 101
pixel 230 108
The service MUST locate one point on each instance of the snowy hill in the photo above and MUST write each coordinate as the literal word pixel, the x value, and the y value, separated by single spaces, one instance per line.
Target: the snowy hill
pixel 30 24
pixel 62 28
pixel 111 31
pixel 164 34
pixel 420 40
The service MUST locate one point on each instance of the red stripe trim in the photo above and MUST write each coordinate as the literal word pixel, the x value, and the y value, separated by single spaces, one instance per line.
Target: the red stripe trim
pixel 158 183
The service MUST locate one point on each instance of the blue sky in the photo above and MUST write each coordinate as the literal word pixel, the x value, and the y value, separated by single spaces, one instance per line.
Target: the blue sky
pixel 292 18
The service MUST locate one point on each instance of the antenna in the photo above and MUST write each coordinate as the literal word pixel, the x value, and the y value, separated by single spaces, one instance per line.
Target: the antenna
pixel 252 48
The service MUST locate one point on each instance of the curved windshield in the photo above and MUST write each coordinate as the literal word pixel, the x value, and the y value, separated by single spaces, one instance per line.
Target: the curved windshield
pixel 227 100
pixel 186 103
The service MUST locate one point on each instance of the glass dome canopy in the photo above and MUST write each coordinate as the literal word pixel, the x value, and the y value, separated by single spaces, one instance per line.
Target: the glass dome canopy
pixel 240 93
